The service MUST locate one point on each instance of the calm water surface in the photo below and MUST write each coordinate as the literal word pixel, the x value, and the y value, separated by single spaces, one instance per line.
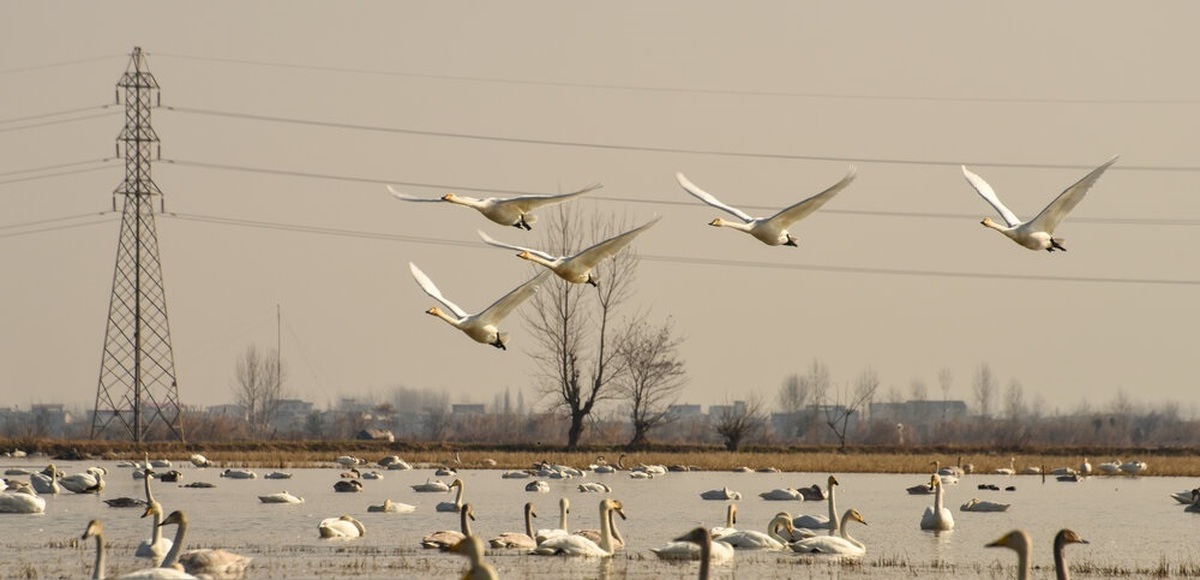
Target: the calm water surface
pixel 1132 524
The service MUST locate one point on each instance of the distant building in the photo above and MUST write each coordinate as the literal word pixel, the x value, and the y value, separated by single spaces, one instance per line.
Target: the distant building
pixel 677 412
pixel 919 412
pixel 466 409
pixel 290 415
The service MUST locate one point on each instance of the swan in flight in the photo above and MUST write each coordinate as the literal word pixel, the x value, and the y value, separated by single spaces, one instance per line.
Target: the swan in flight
pixel 157 547
pixel 577 268
pixel 472 548
pixel 281 497
pixel 816 522
pixel 456 505
pixel 390 507
pixel 756 540
pixel 937 517
pixel 771 231
pixel 341 527
pixel 517 539
pixel 574 545
pixel 1019 542
pixel 564 508
pixel 1037 233
pixel 480 327
pixel 721 494
pixel 842 544
pixel 506 211
pixel 979 505
pixel 442 540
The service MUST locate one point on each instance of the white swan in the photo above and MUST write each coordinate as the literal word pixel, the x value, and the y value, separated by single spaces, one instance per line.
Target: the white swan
pixel 278 475
pixel 390 507
pixel 203 562
pixel 1134 467
pixel 442 540
pixel 239 474
pixel 281 497
pixel 785 494
pixel 345 526
pixel 979 505
pixel 721 494
pixel 572 545
pixel 1109 467
pixel 199 460
pixel 472 548
pixel 516 539
pixel 937 517
pixel 594 487
pixel 577 268
pixel 456 505
pixel 756 540
pixel 769 230
pixel 842 544
pixel 618 541
pixel 431 486
pixel 90 481
pixel 538 486
pixel 730 523
pixel 96 530
pixel 1037 233
pixel 817 522
pixel 46 482
pixel 22 501
pixel 480 327
pixel 564 508
pixel 704 541
pixel 1010 470
pixel 157 547
pixel 506 211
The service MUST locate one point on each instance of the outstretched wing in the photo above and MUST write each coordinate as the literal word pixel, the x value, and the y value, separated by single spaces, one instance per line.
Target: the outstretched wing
pixel 491 242
pixel 598 252
pixel 396 193
pixel 527 203
pixel 432 290
pixel 789 215
pixel 985 191
pixel 498 310
pixel 1067 200
pixel 708 198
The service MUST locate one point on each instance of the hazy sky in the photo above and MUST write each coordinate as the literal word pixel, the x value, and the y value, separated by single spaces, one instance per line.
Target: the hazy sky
pixel 298 113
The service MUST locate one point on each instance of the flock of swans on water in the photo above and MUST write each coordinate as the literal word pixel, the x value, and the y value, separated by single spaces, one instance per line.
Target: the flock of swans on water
pixel 1034 234
pixel 811 534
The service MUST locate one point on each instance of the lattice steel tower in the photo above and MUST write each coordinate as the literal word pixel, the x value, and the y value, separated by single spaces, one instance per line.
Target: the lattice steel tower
pixel 137 388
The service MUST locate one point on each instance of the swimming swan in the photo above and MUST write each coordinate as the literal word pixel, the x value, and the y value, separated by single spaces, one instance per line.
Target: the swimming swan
pixel 816 522
pixel 510 211
pixel 480 327
pixel 390 507
pixel 730 523
pixel 281 497
pixel 786 494
pixel 843 544
pixel 756 540
pixel 697 545
pixel 472 548
pixel 1018 541
pixel 96 530
pixel 701 538
pixel 442 540
pixel 770 230
pixel 22 501
pixel 721 494
pixel 979 505
pixel 618 541
pixel 1038 233
pixel 577 268
pixel 937 517
pixel 203 562
pixel 157 547
pixel 456 505
pixel 46 482
pixel 572 545
pixel 564 508
pixel 517 539
pixel 341 527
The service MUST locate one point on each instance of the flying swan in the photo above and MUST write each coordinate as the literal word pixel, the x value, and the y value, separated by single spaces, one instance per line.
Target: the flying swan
pixel 1038 233
pixel 577 268
pixel 771 231
pixel 506 211
pixel 480 327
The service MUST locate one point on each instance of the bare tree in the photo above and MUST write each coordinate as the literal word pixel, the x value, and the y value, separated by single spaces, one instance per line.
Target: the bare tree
pixel 573 323
pixel 838 414
pixel 919 390
pixel 817 383
pixel 738 421
pixel 259 386
pixel 652 374
pixel 793 398
pixel 945 381
pixel 985 387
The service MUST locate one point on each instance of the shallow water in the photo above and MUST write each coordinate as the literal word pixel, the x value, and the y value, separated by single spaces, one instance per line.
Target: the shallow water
pixel 1132 524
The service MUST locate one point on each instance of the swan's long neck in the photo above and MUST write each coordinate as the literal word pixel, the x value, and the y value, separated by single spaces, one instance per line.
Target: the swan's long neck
pixel 606 542
pixel 562 515
pixel 438 312
pixel 616 533
pixel 156 533
pixel 1023 561
pixel 529 520
pixel 465 523
pixel 98 570
pixel 705 556
pixel 834 524
pixel 780 521
pixel 845 531
pixel 537 259
pixel 176 548
pixel 729 515
pixel 745 227
pixel 459 494
pixel 938 502
pixel 1060 561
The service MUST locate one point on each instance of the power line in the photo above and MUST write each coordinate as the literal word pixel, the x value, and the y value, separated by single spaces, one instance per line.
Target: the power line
pixel 59 64
pixel 57 228
pixel 684 90
pixel 57 174
pixel 693 260
pixel 54 114
pixel 53 220
pixel 60 121
pixel 643 200
pixel 56 166
pixel 658 149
